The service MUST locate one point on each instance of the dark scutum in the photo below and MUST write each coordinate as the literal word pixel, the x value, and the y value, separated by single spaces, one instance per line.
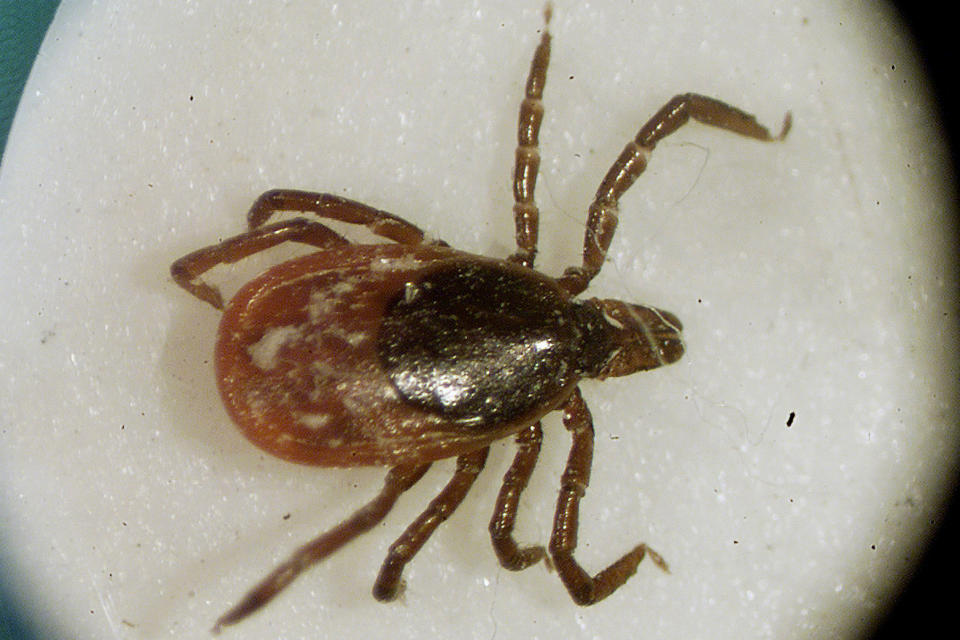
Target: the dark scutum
pixel 483 344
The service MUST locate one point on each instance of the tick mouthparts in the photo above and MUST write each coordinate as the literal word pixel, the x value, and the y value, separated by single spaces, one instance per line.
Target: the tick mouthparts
pixel 662 330
pixel 644 338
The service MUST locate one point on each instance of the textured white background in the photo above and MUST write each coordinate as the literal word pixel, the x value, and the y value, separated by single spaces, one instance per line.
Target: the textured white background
pixel 811 276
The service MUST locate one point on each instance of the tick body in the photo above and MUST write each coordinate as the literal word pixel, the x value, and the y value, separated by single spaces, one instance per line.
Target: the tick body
pixel 386 354
pixel 405 352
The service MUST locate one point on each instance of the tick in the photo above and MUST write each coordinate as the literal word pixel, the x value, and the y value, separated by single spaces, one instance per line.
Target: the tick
pixel 405 352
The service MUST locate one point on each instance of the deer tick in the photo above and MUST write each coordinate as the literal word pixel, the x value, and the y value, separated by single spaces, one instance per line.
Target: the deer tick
pixel 405 352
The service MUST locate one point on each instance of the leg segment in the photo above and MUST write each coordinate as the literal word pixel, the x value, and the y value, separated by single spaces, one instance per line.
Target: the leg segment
pixel 326 205
pixel 187 270
pixel 515 481
pixel 583 588
pixel 602 215
pixel 388 584
pixel 398 480
pixel 525 212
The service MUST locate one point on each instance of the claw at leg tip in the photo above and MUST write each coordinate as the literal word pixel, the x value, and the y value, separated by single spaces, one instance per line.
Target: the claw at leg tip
pixel 787 123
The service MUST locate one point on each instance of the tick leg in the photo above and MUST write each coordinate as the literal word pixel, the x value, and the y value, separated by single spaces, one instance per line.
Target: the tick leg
pixel 602 214
pixel 187 270
pixel 526 215
pixel 325 205
pixel 388 584
pixel 515 481
pixel 398 480
pixel 583 588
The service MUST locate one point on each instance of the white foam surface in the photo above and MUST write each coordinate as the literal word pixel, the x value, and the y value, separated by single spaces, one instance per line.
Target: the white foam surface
pixel 812 277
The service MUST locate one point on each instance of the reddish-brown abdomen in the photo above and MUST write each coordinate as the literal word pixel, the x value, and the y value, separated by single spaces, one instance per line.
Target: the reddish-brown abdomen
pixel 299 372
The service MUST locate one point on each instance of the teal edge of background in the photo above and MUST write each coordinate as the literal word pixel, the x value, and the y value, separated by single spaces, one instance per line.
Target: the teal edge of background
pixel 22 28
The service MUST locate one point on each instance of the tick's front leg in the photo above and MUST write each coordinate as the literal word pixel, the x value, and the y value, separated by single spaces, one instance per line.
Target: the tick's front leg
pixel 602 216
pixel 583 588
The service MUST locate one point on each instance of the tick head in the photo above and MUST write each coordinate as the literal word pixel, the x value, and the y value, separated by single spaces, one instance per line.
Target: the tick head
pixel 644 337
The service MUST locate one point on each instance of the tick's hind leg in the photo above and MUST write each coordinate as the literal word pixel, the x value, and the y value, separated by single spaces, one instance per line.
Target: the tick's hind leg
pixel 583 588
pixel 512 556
pixel 526 215
pixel 187 270
pixel 325 205
pixel 398 480
pixel 602 215
pixel 388 584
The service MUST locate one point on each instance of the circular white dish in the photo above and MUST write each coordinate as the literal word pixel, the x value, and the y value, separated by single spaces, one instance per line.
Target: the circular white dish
pixel 813 278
